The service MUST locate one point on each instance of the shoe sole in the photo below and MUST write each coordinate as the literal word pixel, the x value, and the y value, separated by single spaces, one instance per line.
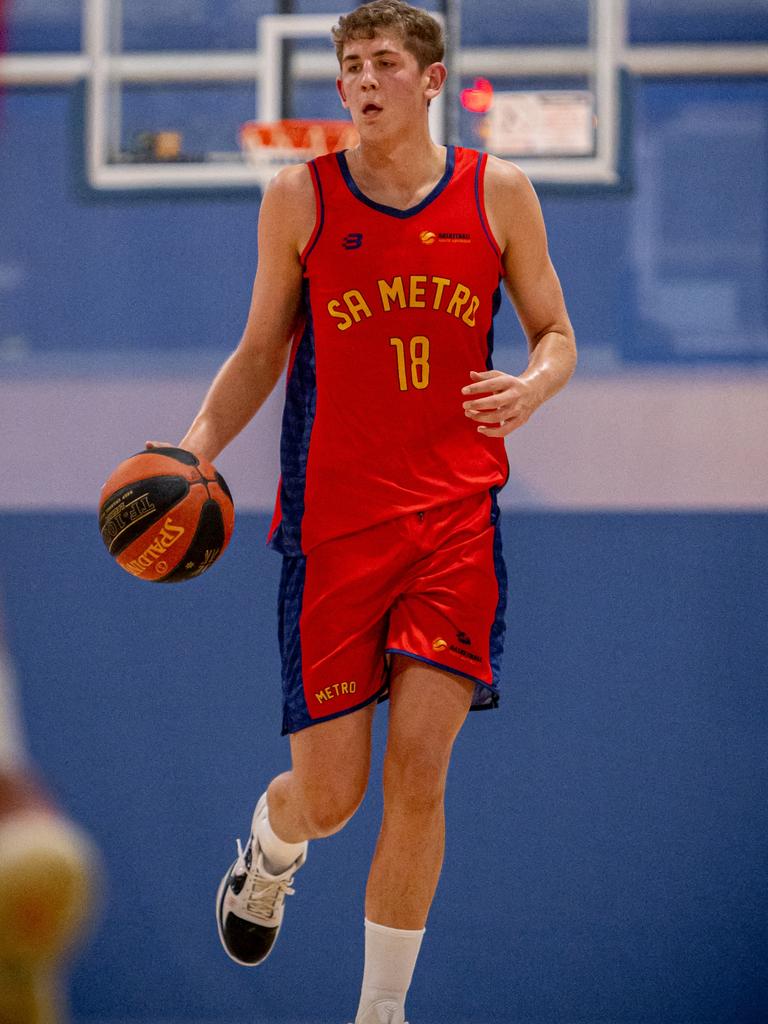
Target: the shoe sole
pixel 219 907
pixel 222 891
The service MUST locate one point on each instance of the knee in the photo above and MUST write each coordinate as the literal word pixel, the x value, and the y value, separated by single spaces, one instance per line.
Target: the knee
pixel 327 809
pixel 416 776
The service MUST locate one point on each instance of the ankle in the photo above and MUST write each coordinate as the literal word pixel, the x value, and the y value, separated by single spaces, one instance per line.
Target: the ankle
pixel 390 959
pixel 279 854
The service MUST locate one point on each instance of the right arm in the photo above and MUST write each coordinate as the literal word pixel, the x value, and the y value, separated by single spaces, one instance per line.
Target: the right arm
pixel 248 376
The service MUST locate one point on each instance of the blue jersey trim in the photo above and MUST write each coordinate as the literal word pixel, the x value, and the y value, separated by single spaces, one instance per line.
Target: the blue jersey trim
pixel 479 203
pixel 392 211
pixel 298 421
pixel 499 627
pixel 316 175
pixel 495 307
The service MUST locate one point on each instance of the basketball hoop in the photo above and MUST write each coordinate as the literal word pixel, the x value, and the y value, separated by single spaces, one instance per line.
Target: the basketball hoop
pixel 268 147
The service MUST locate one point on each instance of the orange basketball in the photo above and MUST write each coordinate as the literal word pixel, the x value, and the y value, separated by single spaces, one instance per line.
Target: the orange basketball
pixel 165 515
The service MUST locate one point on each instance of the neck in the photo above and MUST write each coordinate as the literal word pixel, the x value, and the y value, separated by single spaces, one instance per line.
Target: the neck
pixel 404 163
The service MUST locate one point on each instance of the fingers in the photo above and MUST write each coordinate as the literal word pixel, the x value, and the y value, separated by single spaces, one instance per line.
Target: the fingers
pixel 500 406
pixel 496 406
pixel 486 374
pixel 489 380
pixel 503 429
pixel 491 402
pixel 493 416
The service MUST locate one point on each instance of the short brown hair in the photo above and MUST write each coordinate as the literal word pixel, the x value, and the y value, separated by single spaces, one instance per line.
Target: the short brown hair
pixel 422 35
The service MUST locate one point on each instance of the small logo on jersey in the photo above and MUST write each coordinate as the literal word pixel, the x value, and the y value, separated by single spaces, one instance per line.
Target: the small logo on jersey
pixel 439 644
pixel 463 639
pixel 430 237
pixel 352 241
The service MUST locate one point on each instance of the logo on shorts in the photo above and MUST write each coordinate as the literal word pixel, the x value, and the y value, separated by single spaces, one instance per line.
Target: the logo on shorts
pixel 438 644
pixel 335 690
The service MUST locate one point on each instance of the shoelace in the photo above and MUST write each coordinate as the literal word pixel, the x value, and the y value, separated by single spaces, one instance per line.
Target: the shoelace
pixel 263 894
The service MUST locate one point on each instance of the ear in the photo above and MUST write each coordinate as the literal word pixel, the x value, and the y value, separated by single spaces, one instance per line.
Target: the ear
pixel 434 78
pixel 342 94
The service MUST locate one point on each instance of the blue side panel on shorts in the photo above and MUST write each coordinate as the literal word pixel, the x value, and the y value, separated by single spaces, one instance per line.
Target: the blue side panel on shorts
pixel 484 696
pixel 289 604
pixel 298 419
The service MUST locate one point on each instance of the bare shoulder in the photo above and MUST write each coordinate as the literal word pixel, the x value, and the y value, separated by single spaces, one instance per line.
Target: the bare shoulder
pixel 289 203
pixel 505 181
pixel 292 183
pixel 512 205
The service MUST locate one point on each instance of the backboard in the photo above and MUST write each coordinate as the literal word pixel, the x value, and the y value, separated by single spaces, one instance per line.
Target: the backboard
pixel 172 119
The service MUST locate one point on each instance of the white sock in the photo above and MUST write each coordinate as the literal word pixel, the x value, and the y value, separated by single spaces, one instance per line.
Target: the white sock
pixel 390 958
pixel 278 855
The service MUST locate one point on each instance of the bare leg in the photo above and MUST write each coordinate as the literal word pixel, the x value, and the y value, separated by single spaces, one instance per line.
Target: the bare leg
pixel 427 709
pixel 327 780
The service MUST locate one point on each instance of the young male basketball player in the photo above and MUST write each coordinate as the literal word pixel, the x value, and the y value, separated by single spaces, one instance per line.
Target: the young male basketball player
pixel 378 279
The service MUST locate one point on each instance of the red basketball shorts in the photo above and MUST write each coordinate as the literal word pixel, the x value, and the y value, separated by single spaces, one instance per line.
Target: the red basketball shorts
pixel 430 585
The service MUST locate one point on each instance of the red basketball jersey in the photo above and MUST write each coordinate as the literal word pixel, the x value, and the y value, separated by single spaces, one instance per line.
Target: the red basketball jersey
pixel 399 308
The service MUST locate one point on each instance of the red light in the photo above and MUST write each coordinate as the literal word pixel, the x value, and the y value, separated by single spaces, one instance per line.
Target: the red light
pixel 478 99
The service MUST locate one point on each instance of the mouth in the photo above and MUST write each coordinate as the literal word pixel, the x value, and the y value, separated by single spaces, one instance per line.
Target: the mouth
pixel 370 109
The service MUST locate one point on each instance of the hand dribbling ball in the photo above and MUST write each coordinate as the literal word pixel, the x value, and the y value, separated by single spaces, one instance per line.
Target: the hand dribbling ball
pixel 165 515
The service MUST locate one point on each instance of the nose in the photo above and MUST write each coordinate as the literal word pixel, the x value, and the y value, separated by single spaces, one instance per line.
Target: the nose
pixel 368 78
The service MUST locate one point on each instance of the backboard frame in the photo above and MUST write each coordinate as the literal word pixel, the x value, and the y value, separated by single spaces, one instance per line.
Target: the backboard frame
pixel 263 65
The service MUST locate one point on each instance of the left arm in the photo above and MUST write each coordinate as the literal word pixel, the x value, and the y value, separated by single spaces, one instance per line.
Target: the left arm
pixel 533 286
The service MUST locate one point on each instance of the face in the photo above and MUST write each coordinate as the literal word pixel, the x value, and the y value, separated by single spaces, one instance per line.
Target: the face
pixel 382 86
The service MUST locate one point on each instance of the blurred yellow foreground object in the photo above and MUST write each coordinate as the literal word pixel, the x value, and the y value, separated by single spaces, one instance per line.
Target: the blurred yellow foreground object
pixel 48 874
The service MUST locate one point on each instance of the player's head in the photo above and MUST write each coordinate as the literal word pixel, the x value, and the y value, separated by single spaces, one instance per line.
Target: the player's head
pixel 420 33
pixel 390 55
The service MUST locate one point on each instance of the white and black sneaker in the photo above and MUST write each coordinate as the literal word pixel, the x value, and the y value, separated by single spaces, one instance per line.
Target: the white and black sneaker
pixel 251 901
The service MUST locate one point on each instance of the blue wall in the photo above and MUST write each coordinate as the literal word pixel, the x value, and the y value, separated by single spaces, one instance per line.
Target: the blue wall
pixel 682 257
pixel 606 854
pixel 672 267
pixel 38 25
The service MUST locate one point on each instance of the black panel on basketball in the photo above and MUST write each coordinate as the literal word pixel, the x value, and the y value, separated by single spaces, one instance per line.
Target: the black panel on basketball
pixel 125 517
pixel 223 485
pixel 205 546
pixel 188 458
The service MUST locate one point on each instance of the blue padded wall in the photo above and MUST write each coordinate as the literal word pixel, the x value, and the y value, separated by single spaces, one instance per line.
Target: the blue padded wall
pixel 606 849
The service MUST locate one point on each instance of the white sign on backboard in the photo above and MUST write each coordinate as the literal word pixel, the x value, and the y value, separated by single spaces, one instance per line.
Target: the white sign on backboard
pixel 543 123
